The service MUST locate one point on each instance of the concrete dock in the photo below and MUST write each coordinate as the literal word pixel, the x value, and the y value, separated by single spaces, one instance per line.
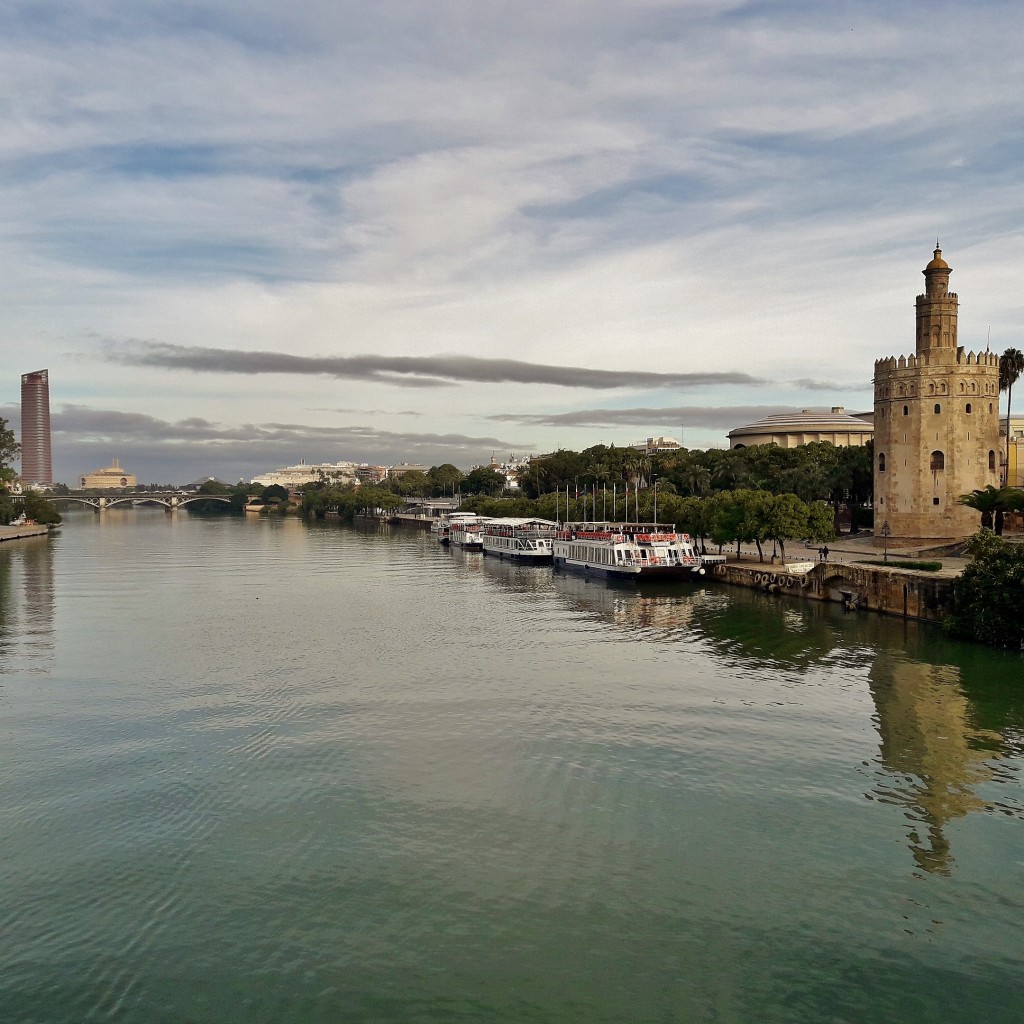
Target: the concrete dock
pixel 19 532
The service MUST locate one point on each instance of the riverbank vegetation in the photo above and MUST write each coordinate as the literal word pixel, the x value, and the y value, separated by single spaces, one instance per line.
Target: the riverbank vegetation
pixel 989 594
pixel 31 504
pixel 603 474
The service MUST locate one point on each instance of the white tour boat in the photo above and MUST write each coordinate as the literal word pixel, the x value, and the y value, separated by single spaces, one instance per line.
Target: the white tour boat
pixel 465 533
pixel 521 540
pixel 626 551
pixel 442 526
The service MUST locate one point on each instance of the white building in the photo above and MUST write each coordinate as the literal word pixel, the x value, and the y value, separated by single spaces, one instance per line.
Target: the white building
pixel 292 477
pixel 512 469
pixel 657 444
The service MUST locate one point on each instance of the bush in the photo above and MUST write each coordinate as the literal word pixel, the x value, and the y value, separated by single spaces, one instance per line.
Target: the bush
pixel 989 594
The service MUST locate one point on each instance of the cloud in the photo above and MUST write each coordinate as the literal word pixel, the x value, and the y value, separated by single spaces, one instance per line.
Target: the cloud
pixel 688 416
pixel 407 371
pixel 686 190
pixel 85 438
pixel 807 384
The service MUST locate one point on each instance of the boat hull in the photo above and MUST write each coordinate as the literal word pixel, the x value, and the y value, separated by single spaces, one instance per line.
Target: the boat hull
pixel 533 557
pixel 627 574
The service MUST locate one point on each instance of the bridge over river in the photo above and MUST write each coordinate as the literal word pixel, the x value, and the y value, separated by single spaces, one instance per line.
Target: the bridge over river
pixel 170 500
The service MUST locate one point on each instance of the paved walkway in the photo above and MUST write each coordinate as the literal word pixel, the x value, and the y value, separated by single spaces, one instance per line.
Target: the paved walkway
pixel 847 549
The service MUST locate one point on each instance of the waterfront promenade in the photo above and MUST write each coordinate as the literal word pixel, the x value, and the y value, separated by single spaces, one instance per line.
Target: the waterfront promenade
pixel 20 532
pixel 849 549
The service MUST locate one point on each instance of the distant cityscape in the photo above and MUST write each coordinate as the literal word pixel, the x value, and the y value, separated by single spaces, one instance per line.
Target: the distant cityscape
pixel 934 428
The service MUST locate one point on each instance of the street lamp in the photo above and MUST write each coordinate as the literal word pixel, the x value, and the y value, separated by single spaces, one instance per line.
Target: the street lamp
pixel 886 534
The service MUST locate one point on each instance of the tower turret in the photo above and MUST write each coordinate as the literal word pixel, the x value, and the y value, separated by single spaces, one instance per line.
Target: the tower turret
pixel 936 309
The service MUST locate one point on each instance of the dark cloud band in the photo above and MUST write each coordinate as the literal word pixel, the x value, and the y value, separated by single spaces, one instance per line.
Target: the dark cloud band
pixel 721 417
pixel 407 371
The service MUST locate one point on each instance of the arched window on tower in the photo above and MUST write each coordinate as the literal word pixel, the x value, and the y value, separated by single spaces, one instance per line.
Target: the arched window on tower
pixel 938 408
pixel 991 461
pixel 938 462
pixel 906 410
pixel 967 408
pixel 881 462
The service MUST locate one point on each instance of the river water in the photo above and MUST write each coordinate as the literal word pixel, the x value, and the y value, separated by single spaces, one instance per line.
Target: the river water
pixel 266 771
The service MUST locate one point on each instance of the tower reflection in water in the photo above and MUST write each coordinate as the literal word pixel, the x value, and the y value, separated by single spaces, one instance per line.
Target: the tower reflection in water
pixel 940 748
pixel 949 716
pixel 26 606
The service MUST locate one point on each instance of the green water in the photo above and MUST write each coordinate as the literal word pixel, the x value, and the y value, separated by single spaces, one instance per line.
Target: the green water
pixel 260 771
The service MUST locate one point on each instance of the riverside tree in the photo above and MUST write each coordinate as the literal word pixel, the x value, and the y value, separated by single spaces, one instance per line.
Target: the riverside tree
pixel 444 479
pixel 483 480
pixel 9 451
pixel 989 594
pixel 818 471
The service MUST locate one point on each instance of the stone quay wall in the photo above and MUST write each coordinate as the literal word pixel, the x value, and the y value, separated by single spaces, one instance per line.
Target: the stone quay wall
pixel 901 592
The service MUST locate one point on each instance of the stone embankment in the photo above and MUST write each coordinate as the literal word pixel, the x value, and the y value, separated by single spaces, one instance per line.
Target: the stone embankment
pixel 18 532
pixel 903 592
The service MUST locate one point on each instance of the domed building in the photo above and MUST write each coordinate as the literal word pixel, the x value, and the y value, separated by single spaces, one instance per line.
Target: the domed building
pixel 110 477
pixel 792 429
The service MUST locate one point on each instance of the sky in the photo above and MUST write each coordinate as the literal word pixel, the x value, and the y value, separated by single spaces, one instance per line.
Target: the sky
pixel 240 234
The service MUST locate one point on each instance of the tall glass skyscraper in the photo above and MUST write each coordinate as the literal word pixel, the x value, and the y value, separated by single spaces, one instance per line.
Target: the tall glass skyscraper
pixel 36 467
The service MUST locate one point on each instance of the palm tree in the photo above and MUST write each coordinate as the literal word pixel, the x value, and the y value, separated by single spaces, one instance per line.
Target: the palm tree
pixel 696 479
pixel 1011 366
pixel 992 502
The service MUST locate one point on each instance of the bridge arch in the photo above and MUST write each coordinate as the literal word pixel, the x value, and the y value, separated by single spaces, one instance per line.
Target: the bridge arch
pixel 170 500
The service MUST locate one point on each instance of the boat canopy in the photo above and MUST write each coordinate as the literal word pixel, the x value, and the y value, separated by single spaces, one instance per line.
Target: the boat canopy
pixel 519 523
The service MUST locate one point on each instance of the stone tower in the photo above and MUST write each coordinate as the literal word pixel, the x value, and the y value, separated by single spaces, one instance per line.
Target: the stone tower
pixel 936 424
